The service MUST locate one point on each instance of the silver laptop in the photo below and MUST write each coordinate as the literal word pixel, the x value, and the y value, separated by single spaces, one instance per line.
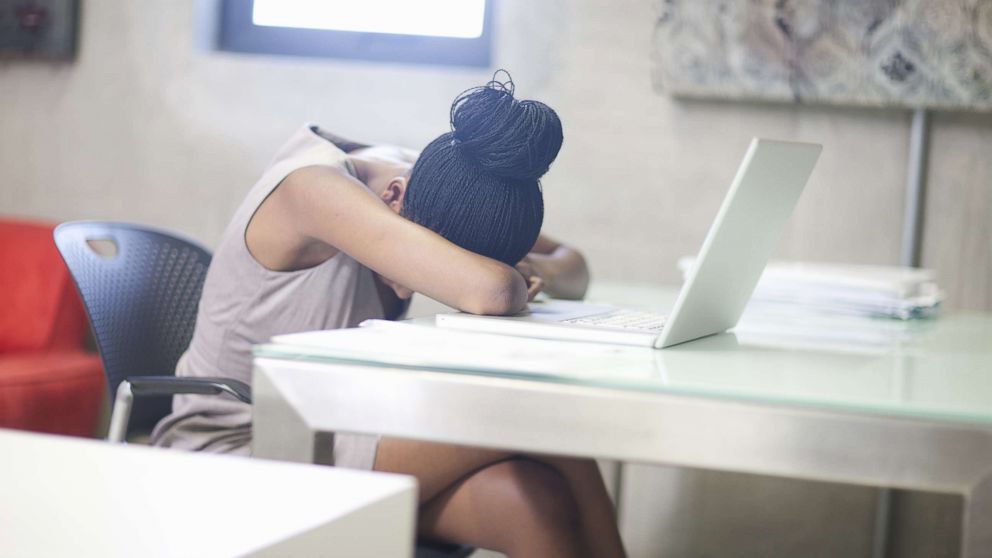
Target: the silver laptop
pixel 743 235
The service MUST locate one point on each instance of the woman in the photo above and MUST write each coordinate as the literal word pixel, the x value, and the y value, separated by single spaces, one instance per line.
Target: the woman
pixel 337 232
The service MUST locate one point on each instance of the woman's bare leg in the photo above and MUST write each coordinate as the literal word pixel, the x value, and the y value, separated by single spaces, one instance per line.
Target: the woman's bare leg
pixel 519 507
pixel 440 467
pixel 599 522
pixel 436 466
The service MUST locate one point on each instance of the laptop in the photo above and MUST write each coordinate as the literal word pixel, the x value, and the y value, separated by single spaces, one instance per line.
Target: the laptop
pixel 717 288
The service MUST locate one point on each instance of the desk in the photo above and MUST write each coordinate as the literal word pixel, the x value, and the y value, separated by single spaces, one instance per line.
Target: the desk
pixel 866 402
pixel 70 497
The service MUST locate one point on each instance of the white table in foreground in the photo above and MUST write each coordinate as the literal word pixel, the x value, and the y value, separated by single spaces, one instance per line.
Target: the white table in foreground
pixel 850 400
pixel 69 497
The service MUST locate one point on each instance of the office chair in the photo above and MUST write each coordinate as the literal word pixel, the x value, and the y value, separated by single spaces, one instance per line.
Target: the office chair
pixel 141 288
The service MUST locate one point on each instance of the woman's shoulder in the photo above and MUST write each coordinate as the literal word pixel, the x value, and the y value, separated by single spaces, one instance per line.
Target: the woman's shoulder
pixel 304 189
pixel 341 142
pixel 388 153
pixel 319 173
pixel 317 180
pixel 277 236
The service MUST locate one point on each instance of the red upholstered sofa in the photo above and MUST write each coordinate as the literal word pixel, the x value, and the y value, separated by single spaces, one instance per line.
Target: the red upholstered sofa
pixel 48 382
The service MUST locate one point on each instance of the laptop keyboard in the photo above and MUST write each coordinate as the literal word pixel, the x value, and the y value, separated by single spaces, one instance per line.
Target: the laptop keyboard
pixel 623 319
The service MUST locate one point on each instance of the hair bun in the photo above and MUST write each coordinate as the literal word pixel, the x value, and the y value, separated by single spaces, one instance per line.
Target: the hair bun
pixel 508 138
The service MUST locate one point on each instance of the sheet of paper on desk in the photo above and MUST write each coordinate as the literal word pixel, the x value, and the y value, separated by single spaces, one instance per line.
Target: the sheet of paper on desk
pixel 418 345
pixel 858 290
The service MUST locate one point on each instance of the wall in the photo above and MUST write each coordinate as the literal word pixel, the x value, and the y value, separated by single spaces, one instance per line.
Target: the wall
pixel 146 127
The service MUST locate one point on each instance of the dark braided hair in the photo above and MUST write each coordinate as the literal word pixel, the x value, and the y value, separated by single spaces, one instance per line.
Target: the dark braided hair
pixel 478 185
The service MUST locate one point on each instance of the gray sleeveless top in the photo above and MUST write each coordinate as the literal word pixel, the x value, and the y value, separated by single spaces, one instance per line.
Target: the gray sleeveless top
pixel 244 303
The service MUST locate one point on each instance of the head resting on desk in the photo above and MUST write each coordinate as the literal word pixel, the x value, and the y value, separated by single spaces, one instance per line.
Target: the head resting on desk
pixel 479 184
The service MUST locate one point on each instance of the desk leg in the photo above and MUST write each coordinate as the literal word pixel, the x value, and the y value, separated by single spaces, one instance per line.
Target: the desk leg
pixel 976 539
pixel 880 538
pixel 616 487
pixel 278 431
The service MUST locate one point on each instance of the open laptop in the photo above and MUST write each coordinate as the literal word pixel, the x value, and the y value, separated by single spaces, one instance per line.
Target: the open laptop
pixel 743 235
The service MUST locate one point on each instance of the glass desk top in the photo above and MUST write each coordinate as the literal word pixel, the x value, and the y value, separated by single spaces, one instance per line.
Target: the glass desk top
pixel 935 369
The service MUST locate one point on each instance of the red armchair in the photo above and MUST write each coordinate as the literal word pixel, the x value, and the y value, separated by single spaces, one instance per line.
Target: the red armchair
pixel 48 382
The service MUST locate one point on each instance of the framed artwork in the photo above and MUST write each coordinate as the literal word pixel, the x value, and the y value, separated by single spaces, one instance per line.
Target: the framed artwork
pixel 903 53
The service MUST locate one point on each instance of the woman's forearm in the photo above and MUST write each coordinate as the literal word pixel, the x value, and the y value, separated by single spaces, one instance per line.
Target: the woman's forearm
pixel 328 206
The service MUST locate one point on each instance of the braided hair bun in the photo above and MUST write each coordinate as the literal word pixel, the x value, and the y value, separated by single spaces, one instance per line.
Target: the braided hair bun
pixel 477 185
pixel 512 139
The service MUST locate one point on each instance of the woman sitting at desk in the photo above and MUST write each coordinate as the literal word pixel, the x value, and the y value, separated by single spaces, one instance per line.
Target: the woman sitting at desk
pixel 337 232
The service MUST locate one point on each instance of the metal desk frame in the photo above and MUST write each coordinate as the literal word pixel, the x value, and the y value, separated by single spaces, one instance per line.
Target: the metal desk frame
pixel 296 403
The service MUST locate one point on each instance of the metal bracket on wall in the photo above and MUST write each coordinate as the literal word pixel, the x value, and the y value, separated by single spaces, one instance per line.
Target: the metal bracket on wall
pixel 912 240
pixel 916 177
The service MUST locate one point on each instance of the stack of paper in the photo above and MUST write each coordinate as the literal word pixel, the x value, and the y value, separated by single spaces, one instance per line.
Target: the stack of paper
pixel 405 344
pixel 866 290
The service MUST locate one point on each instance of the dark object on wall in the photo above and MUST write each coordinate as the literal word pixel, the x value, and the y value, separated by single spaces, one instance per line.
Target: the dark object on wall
pixel 42 29
pixel 906 53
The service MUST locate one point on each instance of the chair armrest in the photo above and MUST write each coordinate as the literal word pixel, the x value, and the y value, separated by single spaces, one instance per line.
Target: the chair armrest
pixel 173 385
pixel 432 549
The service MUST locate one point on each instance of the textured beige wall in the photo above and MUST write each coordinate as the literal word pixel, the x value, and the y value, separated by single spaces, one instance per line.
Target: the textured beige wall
pixel 146 127
pixel 958 220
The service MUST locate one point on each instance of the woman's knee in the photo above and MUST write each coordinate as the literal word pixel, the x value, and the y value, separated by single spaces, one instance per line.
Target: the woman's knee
pixel 538 494
pixel 517 506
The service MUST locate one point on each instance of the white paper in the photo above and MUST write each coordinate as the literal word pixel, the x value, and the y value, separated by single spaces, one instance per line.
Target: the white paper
pixel 427 346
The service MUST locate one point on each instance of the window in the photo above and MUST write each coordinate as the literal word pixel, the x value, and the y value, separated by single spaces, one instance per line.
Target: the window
pixel 418 31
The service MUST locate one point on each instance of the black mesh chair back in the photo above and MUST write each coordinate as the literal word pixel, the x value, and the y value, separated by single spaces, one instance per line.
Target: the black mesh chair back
pixel 141 288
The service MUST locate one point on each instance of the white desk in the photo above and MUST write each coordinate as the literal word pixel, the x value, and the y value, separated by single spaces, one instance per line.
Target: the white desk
pixel 880 404
pixel 69 497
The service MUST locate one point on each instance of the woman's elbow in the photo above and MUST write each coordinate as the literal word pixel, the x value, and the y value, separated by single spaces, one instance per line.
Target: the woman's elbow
pixel 502 294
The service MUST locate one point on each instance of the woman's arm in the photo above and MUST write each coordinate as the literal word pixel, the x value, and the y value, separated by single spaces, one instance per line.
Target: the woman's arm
pixel 336 209
pixel 562 269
